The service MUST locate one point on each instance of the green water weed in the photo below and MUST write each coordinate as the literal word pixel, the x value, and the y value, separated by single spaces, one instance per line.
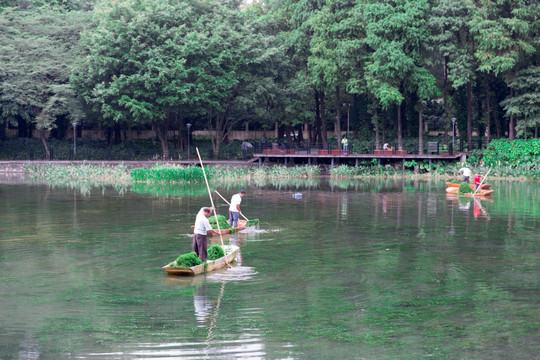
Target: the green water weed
pixel 215 252
pixel 187 260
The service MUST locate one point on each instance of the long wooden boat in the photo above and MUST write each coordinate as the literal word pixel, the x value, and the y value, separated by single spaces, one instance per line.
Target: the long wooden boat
pixel 230 254
pixel 241 226
pixel 484 186
pixel 481 192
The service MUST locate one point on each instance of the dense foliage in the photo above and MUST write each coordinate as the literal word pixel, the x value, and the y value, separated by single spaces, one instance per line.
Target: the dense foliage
pixel 512 153
pixel 306 67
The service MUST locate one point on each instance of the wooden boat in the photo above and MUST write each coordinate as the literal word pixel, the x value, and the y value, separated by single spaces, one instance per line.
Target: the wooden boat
pixel 230 254
pixel 484 186
pixel 241 226
pixel 481 192
pixel 455 197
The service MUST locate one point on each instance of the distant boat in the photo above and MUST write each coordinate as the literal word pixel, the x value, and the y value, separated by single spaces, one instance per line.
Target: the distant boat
pixel 484 186
pixel 455 190
pixel 241 226
pixel 230 254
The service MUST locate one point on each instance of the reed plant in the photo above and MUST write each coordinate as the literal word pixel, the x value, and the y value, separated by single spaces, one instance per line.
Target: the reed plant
pixel 85 172
pixel 171 173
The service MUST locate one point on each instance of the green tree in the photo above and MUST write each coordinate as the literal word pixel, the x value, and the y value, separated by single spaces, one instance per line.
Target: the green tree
pixel 133 70
pixel 37 51
pixel 506 34
pixel 395 33
pixel 525 104
pixel 453 40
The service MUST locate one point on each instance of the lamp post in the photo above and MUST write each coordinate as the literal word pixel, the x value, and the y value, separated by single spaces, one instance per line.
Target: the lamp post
pixel 74 138
pixel 348 116
pixel 188 125
pixel 453 133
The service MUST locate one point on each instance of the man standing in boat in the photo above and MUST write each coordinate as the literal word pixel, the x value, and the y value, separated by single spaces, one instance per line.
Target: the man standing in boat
pixel 234 209
pixel 466 172
pixel 202 226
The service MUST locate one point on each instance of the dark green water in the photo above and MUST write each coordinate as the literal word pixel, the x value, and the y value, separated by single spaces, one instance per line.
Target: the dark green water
pixel 353 270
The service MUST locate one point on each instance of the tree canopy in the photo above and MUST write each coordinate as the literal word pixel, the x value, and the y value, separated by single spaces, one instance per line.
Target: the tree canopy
pixel 225 65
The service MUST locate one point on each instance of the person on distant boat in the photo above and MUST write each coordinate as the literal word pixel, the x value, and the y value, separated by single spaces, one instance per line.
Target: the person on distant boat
pixel 202 227
pixel 234 209
pixel 477 181
pixel 466 172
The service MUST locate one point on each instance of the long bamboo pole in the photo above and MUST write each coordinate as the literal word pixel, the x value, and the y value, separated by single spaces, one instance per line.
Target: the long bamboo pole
pixel 212 202
pixel 229 203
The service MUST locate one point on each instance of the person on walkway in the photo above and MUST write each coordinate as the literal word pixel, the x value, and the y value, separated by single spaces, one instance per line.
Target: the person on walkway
pixel 386 147
pixel 234 209
pixel 345 144
pixel 477 181
pixel 202 227
pixel 466 172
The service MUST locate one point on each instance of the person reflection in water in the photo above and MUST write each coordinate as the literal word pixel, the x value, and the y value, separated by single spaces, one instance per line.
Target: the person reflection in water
pixel 203 307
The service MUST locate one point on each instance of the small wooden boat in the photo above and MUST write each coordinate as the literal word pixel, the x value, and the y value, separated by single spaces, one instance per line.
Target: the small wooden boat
pixel 241 226
pixel 455 190
pixel 484 186
pixel 230 254
pixel 455 197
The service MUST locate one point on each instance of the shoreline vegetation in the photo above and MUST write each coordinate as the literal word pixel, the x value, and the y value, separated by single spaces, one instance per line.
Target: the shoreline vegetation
pixel 121 175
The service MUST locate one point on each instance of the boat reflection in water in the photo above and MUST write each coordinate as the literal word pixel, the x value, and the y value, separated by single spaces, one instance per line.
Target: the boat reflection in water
pixel 464 204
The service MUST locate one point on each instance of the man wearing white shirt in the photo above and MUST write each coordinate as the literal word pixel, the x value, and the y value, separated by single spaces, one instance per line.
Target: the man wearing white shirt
pixel 234 209
pixel 466 172
pixel 202 226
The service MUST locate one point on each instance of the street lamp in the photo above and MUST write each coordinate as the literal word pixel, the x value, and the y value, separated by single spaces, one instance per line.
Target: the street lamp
pixel 188 125
pixel 348 116
pixel 74 138
pixel 453 133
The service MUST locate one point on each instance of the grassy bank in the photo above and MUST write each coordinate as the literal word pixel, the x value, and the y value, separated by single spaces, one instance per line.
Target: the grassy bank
pixel 163 174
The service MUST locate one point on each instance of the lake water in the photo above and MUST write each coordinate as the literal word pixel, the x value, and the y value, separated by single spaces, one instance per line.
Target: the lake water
pixel 355 269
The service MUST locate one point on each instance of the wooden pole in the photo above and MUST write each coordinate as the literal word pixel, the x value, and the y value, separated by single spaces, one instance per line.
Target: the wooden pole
pixel 212 202
pixel 229 203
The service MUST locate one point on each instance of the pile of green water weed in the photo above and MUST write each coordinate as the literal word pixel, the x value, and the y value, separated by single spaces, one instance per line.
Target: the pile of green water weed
pixel 187 260
pixel 465 188
pixel 215 252
pixel 222 220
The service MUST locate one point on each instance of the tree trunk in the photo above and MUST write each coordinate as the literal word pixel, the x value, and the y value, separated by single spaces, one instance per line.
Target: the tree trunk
pixel 161 128
pixel 399 128
pixel 377 131
pixel 512 122
pixel 317 126
pixel 488 112
pixel 469 116
pixel 445 100
pixel 323 121
pixel 338 122
pixel 420 134
pixel 44 141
